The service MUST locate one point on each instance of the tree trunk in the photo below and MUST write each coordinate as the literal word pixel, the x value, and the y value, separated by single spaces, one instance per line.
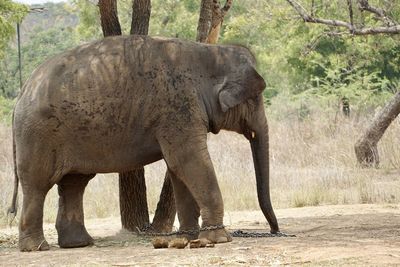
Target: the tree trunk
pixel 213 36
pixel 209 25
pixel 366 147
pixel 132 185
pixel 109 18
pixel 205 18
pixel 216 23
pixel 346 106
pixel 133 200
pixel 165 213
pixel 140 17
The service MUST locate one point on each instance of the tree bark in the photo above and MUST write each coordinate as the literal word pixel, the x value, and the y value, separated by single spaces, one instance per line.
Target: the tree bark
pixel 366 147
pixel 109 18
pixel 133 200
pixel 132 185
pixel 218 15
pixel 140 17
pixel 164 216
pixel 213 35
pixel 205 18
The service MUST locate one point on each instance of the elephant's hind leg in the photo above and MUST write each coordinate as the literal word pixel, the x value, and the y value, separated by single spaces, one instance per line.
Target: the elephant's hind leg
pixel 188 210
pixel 70 218
pixel 31 237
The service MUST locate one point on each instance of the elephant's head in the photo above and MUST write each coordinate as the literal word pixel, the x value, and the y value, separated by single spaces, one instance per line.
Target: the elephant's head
pixel 239 106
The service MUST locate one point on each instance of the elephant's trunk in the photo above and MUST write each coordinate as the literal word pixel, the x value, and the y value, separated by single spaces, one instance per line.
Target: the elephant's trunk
pixel 260 149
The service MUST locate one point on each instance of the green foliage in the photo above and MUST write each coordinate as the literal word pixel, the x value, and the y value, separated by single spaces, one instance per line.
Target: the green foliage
pixel 364 70
pixel 10 14
pixel 251 24
pixel 89 27
pixel 174 18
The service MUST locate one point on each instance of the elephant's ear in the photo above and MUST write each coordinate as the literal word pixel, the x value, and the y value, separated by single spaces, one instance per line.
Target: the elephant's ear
pixel 232 93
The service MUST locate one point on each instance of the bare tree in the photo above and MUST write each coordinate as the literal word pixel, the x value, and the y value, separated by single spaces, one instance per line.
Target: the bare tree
pixel 140 17
pixel 389 27
pixel 205 18
pixel 132 185
pixel 164 216
pixel 210 20
pixel 366 146
pixel 109 18
pixel 218 15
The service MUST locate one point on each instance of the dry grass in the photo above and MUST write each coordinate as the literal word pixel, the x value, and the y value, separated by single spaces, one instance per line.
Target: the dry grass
pixel 312 163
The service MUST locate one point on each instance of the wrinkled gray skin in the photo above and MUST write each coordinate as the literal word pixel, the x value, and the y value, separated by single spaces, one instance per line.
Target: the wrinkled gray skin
pixel 124 102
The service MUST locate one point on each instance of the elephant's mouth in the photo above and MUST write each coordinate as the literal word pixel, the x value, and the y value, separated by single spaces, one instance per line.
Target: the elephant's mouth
pixel 249 134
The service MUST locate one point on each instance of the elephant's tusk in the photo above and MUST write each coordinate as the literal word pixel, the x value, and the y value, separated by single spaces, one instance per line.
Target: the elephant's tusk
pixel 253 135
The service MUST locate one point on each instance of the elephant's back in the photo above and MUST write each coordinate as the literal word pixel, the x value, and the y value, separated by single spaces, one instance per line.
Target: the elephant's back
pixel 90 92
pixel 88 67
pixel 109 81
pixel 78 81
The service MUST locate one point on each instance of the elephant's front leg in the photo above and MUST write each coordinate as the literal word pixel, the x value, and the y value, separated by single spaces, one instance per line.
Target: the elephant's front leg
pixel 191 163
pixel 70 218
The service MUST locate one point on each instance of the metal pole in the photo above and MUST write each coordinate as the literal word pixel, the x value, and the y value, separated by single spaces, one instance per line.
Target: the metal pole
pixel 32 10
pixel 19 57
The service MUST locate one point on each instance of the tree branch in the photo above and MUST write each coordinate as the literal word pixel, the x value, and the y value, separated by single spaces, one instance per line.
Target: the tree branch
pixel 226 7
pixel 380 13
pixel 395 29
pixel 312 7
pixel 350 6
pixel 204 24
pixel 218 15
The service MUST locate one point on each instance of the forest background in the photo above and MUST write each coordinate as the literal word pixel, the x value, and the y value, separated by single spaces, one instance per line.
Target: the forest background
pixel 310 72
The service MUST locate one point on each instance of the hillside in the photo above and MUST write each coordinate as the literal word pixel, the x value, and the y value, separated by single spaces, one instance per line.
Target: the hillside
pixel 43 34
pixel 54 15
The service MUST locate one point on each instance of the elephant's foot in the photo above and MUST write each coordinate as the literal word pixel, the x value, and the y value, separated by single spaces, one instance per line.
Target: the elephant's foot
pixel 216 236
pixel 189 236
pixel 73 235
pixel 32 243
pixel 190 230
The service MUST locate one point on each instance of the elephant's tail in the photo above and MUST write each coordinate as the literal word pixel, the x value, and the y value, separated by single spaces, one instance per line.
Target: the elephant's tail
pixel 12 210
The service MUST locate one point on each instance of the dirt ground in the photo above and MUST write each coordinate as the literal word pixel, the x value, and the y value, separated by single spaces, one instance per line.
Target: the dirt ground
pixel 363 235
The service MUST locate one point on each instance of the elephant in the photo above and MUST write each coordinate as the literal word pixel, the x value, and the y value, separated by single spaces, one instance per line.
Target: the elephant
pixel 126 101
